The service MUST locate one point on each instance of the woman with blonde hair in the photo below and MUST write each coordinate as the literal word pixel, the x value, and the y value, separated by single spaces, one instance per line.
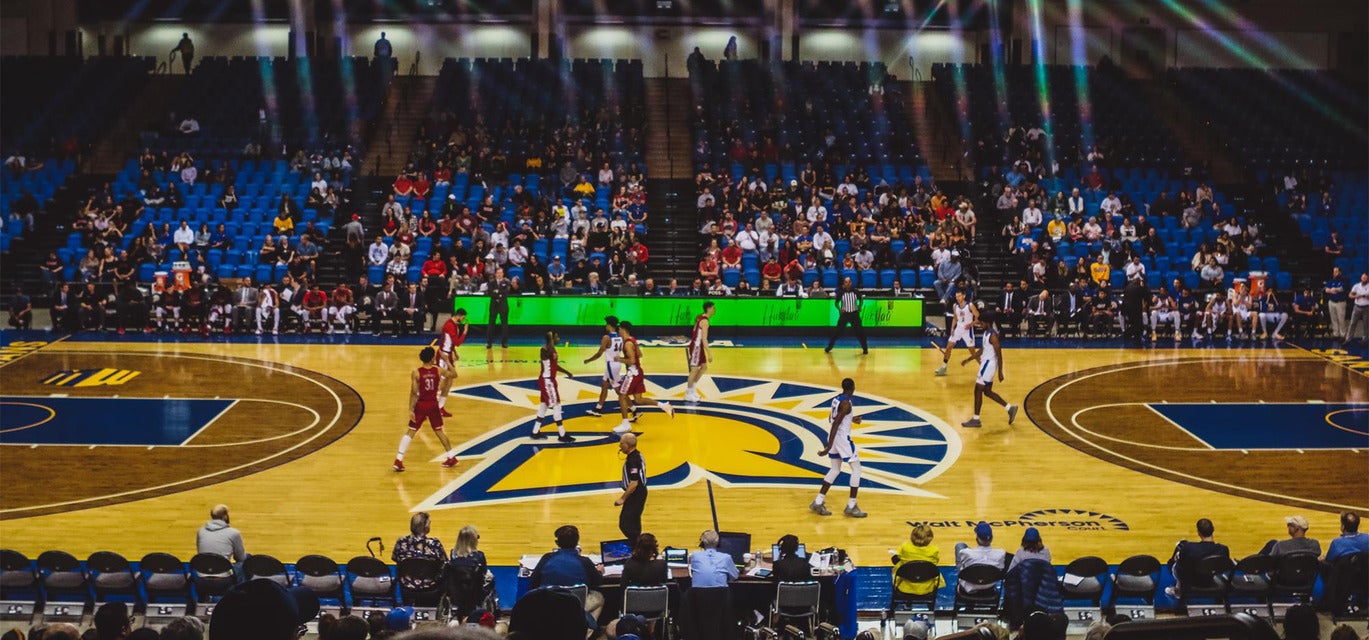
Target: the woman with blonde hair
pixel 918 547
pixel 466 553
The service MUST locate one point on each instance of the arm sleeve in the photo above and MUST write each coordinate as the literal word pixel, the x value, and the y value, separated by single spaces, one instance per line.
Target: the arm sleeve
pixel 592 575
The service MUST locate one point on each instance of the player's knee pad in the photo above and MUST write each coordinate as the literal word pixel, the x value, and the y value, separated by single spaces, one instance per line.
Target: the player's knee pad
pixel 855 471
pixel 541 409
pixel 556 412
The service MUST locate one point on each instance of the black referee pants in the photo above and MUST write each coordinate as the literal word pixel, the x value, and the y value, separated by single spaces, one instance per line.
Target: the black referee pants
pixel 852 318
pixel 630 519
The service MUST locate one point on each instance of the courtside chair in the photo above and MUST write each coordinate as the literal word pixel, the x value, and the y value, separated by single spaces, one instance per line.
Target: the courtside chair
pixel 213 575
pixel 1083 580
pixel 423 570
pixel 797 600
pixel 18 577
pixel 650 602
pixel 264 566
pixel 112 575
pixel 1136 577
pixel 369 579
pixel 321 575
pixel 60 574
pixel 164 576
pixel 1294 575
pixel 580 591
pixel 914 571
pixel 985 600
pixel 1251 580
pixel 1209 581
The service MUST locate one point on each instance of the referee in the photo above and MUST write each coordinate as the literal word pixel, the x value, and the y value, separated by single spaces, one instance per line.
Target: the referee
pixel 633 500
pixel 849 302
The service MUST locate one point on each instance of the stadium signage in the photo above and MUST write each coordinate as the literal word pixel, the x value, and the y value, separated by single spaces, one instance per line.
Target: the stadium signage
pixel 665 311
pixel 1068 519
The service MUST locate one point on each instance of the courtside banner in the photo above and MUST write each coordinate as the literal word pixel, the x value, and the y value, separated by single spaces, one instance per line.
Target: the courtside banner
pixel 789 313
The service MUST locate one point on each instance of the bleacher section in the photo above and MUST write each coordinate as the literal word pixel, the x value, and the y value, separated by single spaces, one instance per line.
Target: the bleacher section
pixel 61 102
pixel 41 184
pixel 1116 118
pixel 309 104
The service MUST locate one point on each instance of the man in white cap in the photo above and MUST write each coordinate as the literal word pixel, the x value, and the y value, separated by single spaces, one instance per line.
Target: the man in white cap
pixel 915 630
pixel 1297 541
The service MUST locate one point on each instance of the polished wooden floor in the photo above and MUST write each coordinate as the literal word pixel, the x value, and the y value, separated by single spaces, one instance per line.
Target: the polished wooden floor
pixel 312 474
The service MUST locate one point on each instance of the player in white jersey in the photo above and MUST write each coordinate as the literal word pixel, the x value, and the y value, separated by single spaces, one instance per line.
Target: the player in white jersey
pixel 1241 319
pixel 697 354
pixel 1162 310
pixel 840 448
pixel 990 357
pixel 611 348
pixel 964 315
pixel 1217 315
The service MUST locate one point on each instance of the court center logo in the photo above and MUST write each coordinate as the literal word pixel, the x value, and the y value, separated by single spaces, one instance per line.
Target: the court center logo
pixel 90 377
pixel 747 432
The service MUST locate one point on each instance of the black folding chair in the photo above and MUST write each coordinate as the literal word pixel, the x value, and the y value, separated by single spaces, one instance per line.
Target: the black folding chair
pixel 1136 578
pixel 112 575
pixel 1083 579
pixel 370 580
pixel 650 602
pixel 1250 579
pixel 987 594
pixel 1208 582
pixel 797 600
pixel 1295 575
pixel 164 576
pixel 213 575
pixel 17 576
pixel 320 574
pixel 60 574
pixel 421 571
pixel 916 572
pixel 264 566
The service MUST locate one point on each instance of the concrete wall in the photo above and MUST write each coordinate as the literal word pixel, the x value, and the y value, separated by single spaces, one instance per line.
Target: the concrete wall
pixel 892 47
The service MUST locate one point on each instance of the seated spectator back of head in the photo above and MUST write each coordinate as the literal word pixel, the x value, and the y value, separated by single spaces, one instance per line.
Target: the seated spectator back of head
pixel 547 614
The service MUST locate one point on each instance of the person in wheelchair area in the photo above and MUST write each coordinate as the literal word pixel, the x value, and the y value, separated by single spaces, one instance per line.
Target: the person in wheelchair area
pixel 470 583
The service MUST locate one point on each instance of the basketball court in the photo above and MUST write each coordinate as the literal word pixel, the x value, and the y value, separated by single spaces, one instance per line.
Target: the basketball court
pixel 126 445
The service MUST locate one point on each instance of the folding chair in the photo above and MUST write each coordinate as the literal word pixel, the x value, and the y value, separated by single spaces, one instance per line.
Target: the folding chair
pixel 423 571
pixel 264 566
pixel 112 575
pixel 369 579
pixel 213 575
pixel 164 576
pixel 916 571
pixel 60 573
pixel 1082 579
pixel 797 600
pixel 988 598
pixel 321 575
pixel 1135 578
pixel 650 602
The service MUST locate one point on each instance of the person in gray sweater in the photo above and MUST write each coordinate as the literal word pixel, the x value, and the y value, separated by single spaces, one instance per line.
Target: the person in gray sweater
pixel 217 537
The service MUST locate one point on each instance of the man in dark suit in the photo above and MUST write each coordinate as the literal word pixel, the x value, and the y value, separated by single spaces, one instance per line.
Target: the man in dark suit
pixel 1010 308
pixel 498 290
pixel 64 307
pixel 411 305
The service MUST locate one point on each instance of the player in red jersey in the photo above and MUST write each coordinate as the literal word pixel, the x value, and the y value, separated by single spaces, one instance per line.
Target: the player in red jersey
pixel 423 387
pixel 697 353
pixel 551 394
pixel 633 383
pixel 453 334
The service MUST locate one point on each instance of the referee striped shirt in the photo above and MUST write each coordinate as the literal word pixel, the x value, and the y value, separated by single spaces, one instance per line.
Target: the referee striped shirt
pixel 849 301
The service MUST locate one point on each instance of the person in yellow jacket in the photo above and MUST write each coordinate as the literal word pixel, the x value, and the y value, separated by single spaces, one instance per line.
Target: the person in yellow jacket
pixel 1101 271
pixel 918 547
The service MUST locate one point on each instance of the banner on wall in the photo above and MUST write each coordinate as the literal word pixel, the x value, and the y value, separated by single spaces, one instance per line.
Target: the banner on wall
pixel 788 313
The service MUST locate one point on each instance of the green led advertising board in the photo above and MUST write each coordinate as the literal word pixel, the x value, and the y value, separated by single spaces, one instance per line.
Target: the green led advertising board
pixel 589 311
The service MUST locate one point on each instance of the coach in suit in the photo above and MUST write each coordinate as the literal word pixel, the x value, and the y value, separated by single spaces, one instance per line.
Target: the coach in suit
pixel 1040 313
pixel 386 303
pixel 1010 308
pixel 244 303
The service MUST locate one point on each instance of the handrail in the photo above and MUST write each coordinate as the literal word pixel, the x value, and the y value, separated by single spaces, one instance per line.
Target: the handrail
pixel 669 144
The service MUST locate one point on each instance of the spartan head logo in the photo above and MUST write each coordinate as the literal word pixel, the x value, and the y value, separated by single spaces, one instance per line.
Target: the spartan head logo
pixel 747 432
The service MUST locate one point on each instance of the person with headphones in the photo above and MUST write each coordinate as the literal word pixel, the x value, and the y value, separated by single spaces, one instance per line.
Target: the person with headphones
pixel 790 566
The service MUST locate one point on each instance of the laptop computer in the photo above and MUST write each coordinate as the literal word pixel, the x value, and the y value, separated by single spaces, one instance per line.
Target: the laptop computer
pixel 736 545
pixel 676 558
pixel 615 551
pixel 775 552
